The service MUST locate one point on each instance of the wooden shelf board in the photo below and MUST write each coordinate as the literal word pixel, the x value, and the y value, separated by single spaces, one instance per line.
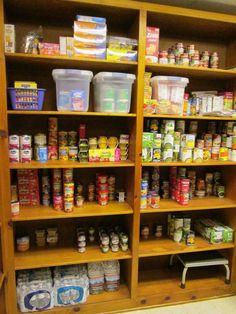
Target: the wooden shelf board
pixel 69 164
pixel 211 202
pixel 89 209
pixel 165 246
pixel 74 62
pixel 48 257
pixel 192 164
pixel 2 277
pixel 190 71
pixel 121 294
pixel 154 282
pixel 169 116
pixel 71 113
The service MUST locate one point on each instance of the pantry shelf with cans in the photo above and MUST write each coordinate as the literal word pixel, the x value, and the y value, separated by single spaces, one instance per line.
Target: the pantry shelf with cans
pixel 119 154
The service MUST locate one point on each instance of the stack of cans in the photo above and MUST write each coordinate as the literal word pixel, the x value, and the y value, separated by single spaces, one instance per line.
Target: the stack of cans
pixel 46 189
pixel 52 139
pixel 112 275
pixel 96 278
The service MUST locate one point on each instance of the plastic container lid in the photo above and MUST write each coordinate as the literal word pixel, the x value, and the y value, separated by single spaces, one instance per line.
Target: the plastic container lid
pixel 177 79
pixel 61 74
pixel 117 76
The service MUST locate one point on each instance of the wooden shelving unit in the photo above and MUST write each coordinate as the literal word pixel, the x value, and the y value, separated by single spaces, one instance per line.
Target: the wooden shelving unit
pixel 146 281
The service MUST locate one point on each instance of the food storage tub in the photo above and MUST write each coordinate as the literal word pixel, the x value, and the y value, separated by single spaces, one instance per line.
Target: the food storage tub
pixel 72 88
pixel 112 91
pixel 169 93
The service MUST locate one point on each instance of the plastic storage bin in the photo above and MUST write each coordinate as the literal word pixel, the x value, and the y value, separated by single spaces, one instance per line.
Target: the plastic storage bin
pixel 169 93
pixel 26 98
pixel 72 88
pixel 112 91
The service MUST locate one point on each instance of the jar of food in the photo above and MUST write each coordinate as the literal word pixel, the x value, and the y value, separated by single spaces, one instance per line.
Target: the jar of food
pixel 214 60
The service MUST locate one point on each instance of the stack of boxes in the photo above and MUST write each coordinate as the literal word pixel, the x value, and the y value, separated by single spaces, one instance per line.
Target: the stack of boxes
pixel 90 34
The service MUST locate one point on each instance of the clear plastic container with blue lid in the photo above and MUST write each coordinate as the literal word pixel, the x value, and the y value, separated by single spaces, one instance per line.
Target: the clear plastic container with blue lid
pixel 72 88
pixel 112 91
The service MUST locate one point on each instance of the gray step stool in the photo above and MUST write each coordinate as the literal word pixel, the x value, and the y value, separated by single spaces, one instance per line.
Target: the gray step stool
pixel 210 258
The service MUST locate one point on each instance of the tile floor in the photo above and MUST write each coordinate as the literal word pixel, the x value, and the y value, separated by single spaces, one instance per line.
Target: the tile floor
pixel 216 306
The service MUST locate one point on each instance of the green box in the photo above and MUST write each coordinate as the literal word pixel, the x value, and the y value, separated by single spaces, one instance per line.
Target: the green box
pixel 148 140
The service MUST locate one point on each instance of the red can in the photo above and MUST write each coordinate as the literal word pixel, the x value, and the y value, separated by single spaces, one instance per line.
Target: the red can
pixel 184 185
pixel 178 183
pixel 201 184
pixel 177 195
pixel 58 202
pixel 184 198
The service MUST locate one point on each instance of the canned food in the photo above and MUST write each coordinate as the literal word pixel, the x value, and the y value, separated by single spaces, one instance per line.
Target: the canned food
pixel 72 138
pixel 23 243
pixel 68 189
pixel 215 153
pixel 56 175
pixel 63 153
pixel 41 153
pixel 200 184
pixel 200 144
pixel 221 191
pixel 184 198
pixel 68 204
pixel 184 185
pixel 223 153
pixel 52 124
pixel 155 201
pixel 143 202
pixel 52 138
pixel 40 139
pixel 25 141
pixel 58 201
pixel 63 138
pixel 52 153
pixel 190 237
pixel 144 232
pixel 14 155
pixel 15 208
pixel 73 152
pixel 14 141
pixel 102 178
pixel 68 174
pixel 25 155
pixel 79 200
pixel 178 234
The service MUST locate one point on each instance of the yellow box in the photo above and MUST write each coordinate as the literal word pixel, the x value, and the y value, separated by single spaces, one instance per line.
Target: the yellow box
pixel 25 84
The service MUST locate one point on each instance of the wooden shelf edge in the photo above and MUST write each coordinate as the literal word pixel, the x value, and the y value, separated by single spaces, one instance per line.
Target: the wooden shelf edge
pixel 50 257
pixel 192 164
pixel 89 209
pixel 45 58
pixel 169 116
pixel 70 164
pixel 166 247
pixel 72 113
pixel 170 205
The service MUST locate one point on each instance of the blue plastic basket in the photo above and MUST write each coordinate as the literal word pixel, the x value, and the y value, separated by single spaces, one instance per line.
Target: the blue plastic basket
pixel 26 98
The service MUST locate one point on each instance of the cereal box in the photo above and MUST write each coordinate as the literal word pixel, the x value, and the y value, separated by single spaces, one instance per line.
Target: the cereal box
pixel 152 43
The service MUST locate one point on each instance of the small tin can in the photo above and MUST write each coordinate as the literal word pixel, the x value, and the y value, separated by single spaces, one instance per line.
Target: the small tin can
pixel 58 201
pixel 200 144
pixel 14 142
pixel 56 175
pixel 57 187
pixel 63 153
pixel 52 153
pixel 41 153
pixel 25 155
pixel 23 243
pixel 82 249
pixel 233 142
pixel 72 138
pixel 221 191
pixel 178 235
pixel 184 198
pixel 190 237
pixel 143 202
pixel 144 232
pixel 229 142
pixel 68 189
pixel 25 141
pixel 68 204
pixel 79 200
pixel 73 152
pixel 201 184
pixel 158 231
pixel 52 124
pixel 68 174
pixel 15 208
pixel 216 140
pixel 40 139
pixel 184 185
pixel 63 138
pixel 155 201
pixel 14 155
pixel 223 153
pixel 224 140
pixel 215 153
pixel 102 178
pixel 52 138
